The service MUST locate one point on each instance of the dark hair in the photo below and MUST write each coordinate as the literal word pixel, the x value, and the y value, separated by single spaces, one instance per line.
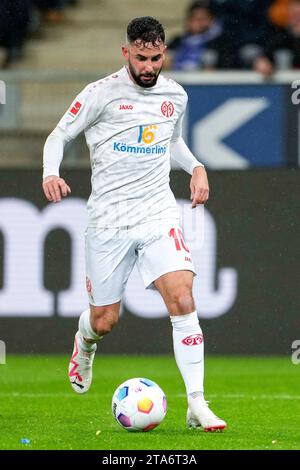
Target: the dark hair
pixel 199 5
pixel 146 30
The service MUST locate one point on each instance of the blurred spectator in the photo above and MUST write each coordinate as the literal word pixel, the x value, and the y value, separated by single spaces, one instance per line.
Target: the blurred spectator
pixel 278 13
pixel 14 20
pixel 247 23
pixel 52 9
pixel 18 17
pixel 282 50
pixel 203 45
pixel 245 20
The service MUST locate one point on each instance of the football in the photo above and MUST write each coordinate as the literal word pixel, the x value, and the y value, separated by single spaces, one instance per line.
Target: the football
pixel 139 404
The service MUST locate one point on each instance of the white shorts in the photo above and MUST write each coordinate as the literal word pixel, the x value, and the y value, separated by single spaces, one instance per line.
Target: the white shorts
pixel 158 247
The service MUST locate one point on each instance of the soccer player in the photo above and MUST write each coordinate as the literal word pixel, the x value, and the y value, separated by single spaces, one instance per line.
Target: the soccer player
pixel 132 121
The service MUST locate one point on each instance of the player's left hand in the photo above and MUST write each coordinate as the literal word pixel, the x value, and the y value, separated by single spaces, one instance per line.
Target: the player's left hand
pixel 55 188
pixel 199 186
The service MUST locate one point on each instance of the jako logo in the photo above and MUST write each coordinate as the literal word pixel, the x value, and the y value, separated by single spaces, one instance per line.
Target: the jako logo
pixel 125 106
pixel 193 340
pixel 146 134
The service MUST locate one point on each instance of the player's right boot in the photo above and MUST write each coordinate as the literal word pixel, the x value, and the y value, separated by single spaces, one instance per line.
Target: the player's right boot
pixel 80 367
pixel 200 415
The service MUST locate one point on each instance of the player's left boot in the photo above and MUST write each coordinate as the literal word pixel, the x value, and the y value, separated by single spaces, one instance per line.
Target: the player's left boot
pixel 80 367
pixel 200 415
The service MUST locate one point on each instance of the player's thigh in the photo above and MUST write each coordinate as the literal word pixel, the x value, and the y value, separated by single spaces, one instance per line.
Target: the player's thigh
pixel 110 258
pixel 175 284
pixel 167 253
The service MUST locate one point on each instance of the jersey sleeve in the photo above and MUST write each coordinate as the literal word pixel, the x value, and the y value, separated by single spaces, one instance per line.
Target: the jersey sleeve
pixel 54 152
pixel 83 112
pixel 177 133
pixel 180 153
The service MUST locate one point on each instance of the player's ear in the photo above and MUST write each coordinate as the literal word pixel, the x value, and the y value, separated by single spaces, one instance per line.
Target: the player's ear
pixel 125 51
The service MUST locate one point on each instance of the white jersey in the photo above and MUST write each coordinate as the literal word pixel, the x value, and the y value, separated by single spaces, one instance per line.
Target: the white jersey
pixel 128 130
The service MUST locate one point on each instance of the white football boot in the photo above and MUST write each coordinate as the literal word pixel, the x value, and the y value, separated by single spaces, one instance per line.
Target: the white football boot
pixel 80 367
pixel 199 415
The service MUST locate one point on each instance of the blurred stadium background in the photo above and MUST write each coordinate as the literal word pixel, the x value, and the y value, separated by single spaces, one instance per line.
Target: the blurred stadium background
pixel 243 126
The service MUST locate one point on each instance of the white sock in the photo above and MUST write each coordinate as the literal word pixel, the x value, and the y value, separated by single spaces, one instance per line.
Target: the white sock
pixel 189 352
pixel 86 331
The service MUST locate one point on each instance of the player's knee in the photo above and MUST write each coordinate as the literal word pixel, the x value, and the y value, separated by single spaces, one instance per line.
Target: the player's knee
pixel 104 324
pixel 182 301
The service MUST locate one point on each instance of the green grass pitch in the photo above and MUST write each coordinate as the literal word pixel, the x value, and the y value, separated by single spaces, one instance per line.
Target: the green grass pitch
pixel 258 397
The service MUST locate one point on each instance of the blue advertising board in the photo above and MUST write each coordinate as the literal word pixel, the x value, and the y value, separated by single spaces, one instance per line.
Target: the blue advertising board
pixel 237 126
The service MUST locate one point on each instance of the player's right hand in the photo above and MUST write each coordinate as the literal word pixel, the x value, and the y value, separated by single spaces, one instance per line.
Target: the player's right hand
pixel 55 187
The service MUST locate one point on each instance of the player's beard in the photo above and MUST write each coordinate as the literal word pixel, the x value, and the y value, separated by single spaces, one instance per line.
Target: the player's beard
pixel 138 78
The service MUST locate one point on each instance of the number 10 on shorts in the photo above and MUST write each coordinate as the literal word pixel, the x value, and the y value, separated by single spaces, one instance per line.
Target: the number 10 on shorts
pixel 178 238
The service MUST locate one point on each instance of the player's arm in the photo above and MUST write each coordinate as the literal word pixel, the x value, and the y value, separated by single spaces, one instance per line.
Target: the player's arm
pixel 54 187
pixel 187 161
pixel 79 116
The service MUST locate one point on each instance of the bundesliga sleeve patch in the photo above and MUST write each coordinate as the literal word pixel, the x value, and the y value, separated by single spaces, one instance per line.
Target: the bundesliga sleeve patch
pixel 75 108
